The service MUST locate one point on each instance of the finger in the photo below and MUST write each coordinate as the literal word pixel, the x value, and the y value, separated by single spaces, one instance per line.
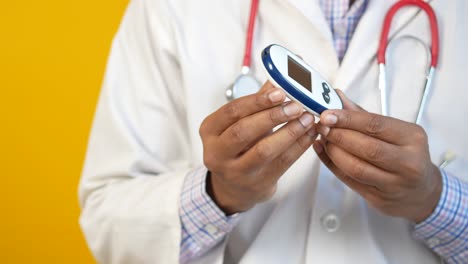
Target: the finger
pixel 358 169
pixel 370 149
pixel 267 97
pixel 320 150
pixel 269 148
pixel 282 163
pixel 360 188
pixel 245 132
pixel 347 103
pixel 385 128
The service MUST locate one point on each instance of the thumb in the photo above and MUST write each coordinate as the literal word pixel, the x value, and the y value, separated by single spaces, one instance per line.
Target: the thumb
pixel 347 103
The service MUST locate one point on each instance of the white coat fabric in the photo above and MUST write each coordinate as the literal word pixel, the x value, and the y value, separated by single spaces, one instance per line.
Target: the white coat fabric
pixel 170 64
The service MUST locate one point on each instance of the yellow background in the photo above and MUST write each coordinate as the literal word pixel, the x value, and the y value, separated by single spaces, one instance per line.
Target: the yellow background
pixel 52 59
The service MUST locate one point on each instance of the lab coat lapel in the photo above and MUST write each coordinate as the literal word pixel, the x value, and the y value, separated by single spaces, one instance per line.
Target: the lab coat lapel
pixel 320 55
pixel 312 11
pixel 364 44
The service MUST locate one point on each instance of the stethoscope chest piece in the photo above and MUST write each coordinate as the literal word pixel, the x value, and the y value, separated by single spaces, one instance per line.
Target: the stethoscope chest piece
pixel 244 85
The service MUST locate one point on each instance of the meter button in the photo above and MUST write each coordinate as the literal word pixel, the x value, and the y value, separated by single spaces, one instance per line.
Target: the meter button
pixel 326 92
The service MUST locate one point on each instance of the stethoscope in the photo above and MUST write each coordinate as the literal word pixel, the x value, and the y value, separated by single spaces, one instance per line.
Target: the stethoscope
pixel 382 52
pixel 449 156
pixel 246 84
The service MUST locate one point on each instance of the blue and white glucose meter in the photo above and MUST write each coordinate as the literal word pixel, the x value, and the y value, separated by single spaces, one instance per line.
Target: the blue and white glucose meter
pixel 301 82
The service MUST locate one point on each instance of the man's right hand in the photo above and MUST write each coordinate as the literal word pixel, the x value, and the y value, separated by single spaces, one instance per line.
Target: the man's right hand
pixel 244 158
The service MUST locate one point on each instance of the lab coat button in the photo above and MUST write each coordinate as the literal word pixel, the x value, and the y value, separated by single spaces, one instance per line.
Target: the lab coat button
pixel 211 229
pixel 433 241
pixel 330 222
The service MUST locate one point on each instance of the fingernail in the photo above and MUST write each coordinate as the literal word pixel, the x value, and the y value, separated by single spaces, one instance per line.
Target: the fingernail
pixel 306 119
pixel 275 96
pixel 318 147
pixel 323 130
pixel 292 109
pixel 312 132
pixel 329 119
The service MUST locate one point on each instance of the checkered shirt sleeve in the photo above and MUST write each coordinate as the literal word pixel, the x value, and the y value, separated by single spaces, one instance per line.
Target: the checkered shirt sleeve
pixel 204 225
pixel 446 230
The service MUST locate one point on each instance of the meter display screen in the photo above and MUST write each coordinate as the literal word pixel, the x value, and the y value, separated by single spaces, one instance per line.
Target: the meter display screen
pixel 300 74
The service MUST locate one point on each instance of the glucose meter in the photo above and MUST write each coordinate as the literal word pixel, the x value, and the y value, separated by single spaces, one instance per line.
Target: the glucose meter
pixel 300 82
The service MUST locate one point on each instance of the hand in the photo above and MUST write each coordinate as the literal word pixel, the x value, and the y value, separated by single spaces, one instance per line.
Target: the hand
pixel 384 159
pixel 244 158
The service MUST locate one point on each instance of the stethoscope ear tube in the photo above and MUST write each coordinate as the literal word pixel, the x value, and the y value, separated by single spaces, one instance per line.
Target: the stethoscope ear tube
pixel 250 33
pixel 383 89
pixel 383 45
pixel 427 91
pixel 237 89
pixel 432 21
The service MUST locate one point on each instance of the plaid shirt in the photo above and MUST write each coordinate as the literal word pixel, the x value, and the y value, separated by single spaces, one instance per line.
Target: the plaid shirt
pixel 204 225
pixel 343 21
pixel 446 230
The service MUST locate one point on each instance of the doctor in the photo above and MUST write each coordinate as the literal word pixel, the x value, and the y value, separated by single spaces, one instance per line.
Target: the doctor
pixel 174 173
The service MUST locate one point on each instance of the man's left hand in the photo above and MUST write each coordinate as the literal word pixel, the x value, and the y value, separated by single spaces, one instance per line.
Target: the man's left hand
pixel 384 159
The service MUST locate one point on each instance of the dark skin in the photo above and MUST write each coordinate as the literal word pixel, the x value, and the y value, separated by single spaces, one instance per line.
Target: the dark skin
pixel 244 157
pixel 384 159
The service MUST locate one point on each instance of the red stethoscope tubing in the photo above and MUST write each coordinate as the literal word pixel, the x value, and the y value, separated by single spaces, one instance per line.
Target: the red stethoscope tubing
pixel 250 32
pixel 433 24
pixel 383 38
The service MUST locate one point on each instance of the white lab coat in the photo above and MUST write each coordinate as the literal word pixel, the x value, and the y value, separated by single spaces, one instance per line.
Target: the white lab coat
pixel 169 66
